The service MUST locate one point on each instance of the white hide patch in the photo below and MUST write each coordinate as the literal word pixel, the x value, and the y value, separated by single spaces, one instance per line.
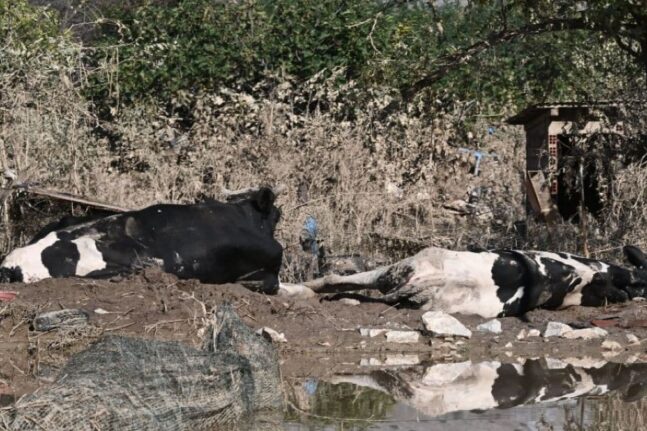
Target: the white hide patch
pixel 90 258
pixel 457 281
pixel 517 295
pixel 29 259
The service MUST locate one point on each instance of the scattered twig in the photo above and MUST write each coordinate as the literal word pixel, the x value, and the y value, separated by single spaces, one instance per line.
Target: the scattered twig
pixel 119 327
pixel 13 330
pixel 16 367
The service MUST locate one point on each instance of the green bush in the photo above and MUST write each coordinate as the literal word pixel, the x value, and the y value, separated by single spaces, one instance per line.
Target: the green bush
pixel 205 44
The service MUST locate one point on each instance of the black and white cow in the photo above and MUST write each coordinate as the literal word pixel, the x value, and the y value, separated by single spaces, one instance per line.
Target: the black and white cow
pixel 440 389
pixel 495 283
pixel 211 241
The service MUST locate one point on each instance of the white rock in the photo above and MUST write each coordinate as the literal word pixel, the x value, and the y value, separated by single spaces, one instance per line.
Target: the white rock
pixel 101 311
pixel 555 364
pixel 522 334
pixel 349 301
pixel 272 335
pixel 508 346
pixel 371 332
pixel 442 324
pixel 585 334
pixel 402 336
pixel 401 360
pixel 556 329
pixel 614 346
pixel 533 333
pixel 633 339
pixel 493 326
pixel 295 291
pixel 370 362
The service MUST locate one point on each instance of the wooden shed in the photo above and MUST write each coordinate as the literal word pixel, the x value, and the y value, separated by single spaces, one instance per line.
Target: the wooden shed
pixel 550 133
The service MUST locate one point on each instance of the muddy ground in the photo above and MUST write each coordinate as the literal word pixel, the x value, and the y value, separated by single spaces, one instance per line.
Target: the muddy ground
pixel 322 337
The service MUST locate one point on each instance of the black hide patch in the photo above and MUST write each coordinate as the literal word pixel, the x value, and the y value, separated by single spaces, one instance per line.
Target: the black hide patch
pixel 11 275
pixel 561 278
pixel 509 275
pixel 61 258
pixel 396 277
pixel 601 291
pixel 635 256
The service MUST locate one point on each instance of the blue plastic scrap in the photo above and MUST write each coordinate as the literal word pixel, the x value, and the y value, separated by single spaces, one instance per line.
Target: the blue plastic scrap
pixel 478 155
pixel 309 234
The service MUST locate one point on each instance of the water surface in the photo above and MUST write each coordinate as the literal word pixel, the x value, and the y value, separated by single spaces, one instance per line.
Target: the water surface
pixel 576 394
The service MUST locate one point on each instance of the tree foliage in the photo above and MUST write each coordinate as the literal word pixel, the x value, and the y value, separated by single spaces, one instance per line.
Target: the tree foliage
pixel 496 52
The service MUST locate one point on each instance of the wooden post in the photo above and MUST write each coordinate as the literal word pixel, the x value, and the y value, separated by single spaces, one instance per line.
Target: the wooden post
pixel 583 226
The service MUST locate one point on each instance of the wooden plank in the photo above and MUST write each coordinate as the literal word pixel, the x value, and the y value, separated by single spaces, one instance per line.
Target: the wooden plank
pixel 72 198
pixel 539 195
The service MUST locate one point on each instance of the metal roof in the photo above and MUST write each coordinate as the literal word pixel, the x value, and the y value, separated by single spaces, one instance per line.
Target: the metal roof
pixel 533 111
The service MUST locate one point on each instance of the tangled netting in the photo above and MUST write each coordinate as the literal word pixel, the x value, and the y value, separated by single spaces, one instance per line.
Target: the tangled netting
pixel 123 383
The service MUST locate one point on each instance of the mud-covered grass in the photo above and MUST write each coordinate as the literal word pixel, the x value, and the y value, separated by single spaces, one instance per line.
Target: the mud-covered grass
pixel 322 337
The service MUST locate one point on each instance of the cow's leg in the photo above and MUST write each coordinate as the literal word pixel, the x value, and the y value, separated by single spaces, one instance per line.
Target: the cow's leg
pixel 396 298
pixel 601 291
pixel 261 281
pixel 334 283
pixel 635 256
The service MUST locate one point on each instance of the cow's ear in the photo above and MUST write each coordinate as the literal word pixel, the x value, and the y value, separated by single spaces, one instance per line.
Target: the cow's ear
pixel 265 199
pixel 635 256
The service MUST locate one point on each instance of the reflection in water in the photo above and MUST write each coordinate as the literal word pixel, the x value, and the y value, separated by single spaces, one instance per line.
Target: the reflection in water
pixel 532 395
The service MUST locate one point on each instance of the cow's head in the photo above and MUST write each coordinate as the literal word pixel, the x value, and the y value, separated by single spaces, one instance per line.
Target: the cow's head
pixel 262 201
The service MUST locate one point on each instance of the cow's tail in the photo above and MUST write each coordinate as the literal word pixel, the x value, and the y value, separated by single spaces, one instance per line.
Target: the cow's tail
pixel 10 275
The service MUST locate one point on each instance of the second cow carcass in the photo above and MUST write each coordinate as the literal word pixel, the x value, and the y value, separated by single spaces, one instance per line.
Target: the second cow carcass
pixel 495 283
pixel 212 241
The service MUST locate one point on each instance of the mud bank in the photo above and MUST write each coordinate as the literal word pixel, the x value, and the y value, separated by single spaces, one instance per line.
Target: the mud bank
pixel 322 338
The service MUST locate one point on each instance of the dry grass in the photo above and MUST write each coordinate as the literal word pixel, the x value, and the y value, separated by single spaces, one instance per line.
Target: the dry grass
pixel 377 184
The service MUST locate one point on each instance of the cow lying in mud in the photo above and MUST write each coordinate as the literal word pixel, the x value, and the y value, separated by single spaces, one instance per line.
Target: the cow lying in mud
pixel 211 241
pixel 495 283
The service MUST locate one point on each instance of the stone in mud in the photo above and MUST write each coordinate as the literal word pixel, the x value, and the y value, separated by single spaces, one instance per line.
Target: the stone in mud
pixel 399 360
pixel 613 346
pixel 293 290
pixel 67 318
pixel 556 329
pixel 371 332
pixel 523 334
pixel 493 326
pixel 402 337
pixel 633 339
pixel 585 334
pixel 443 325
pixel 272 335
pixel 349 301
